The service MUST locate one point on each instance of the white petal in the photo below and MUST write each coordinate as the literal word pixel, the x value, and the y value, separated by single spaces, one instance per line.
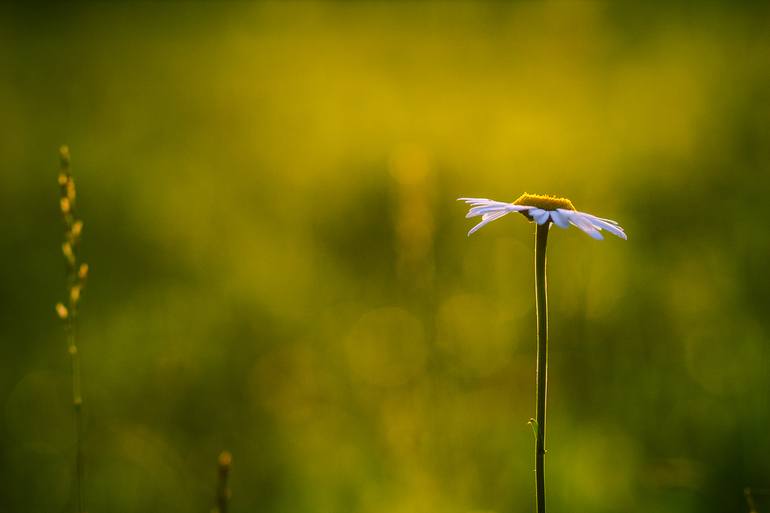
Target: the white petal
pixel 480 202
pixel 559 218
pixel 578 220
pixel 600 218
pixel 614 230
pixel 606 224
pixel 541 217
pixel 486 219
pixel 485 209
pixel 481 206
pixel 474 200
pixel 479 211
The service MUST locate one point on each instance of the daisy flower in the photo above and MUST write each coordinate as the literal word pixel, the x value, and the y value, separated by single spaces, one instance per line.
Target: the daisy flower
pixel 542 209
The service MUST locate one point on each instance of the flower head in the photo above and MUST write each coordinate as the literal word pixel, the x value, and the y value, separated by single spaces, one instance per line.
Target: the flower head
pixel 542 209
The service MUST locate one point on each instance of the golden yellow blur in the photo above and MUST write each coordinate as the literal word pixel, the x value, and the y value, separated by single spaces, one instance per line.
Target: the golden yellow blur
pixel 279 266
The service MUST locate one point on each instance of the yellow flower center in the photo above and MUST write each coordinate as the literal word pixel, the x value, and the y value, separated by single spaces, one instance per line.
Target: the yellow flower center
pixel 543 201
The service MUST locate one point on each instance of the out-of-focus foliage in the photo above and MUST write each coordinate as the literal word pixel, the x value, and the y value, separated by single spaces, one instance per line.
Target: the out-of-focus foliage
pixel 279 268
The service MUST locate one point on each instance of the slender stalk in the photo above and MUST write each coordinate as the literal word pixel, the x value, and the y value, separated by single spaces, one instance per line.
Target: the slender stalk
pixel 750 500
pixel 76 276
pixel 541 298
pixel 77 405
pixel 223 489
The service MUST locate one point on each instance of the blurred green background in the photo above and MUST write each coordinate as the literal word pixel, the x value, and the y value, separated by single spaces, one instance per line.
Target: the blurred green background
pixel 279 266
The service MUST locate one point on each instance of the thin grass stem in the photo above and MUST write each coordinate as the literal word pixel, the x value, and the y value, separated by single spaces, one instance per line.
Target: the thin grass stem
pixel 76 276
pixel 750 500
pixel 223 488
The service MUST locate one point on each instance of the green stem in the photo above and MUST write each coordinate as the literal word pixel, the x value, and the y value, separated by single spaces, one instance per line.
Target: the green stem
pixel 77 405
pixel 223 489
pixel 750 500
pixel 74 280
pixel 541 298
